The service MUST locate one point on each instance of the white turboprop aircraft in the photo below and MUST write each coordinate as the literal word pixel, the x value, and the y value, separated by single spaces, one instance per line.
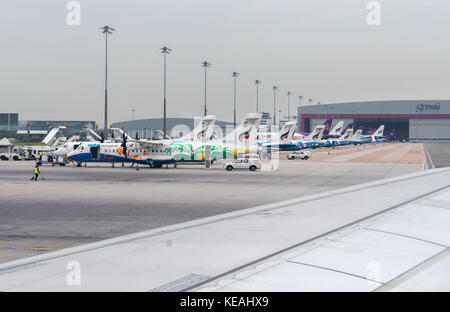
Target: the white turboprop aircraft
pixel 146 152
pixel 202 132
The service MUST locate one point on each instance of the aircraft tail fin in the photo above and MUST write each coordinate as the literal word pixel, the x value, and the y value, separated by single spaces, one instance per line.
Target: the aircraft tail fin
pixel 203 131
pixel 246 132
pixel 391 135
pixel 357 135
pixel 347 134
pixel 379 131
pixel 349 126
pixel 287 132
pixel 337 128
pixel 327 126
pixel 317 134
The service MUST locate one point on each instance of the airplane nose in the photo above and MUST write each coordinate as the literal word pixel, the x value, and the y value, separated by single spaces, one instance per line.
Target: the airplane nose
pixel 71 155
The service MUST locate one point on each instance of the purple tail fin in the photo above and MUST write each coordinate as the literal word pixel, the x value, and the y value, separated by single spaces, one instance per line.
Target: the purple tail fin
pixel 349 126
pixel 391 135
pixel 327 125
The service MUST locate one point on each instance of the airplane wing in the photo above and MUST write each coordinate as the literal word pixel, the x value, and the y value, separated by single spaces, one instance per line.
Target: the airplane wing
pixel 150 143
pixel 324 242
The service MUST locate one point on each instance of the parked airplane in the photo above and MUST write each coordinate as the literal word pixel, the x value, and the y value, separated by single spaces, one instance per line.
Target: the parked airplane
pixel 340 140
pixel 202 132
pixel 313 140
pixel 355 139
pixel 269 136
pixel 240 140
pixel 336 131
pixel 349 126
pixel 304 135
pixel 376 135
pixel 284 135
pixel 146 152
pixel 390 136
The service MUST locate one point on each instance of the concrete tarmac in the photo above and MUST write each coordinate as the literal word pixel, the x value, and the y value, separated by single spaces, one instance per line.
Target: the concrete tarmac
pixel 74 206
pixel 439 153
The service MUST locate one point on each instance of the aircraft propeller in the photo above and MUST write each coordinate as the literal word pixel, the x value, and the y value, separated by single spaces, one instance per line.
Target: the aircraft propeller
pixel 124 144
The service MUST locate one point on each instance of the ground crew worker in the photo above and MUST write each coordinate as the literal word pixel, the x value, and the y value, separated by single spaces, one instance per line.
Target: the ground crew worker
pixel 40 155
pixel 36 172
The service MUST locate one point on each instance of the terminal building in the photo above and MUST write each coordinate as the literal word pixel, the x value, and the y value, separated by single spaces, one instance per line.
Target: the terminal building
pixel 36 130
pixel 9 121
pixel 410 120
pixel 45 125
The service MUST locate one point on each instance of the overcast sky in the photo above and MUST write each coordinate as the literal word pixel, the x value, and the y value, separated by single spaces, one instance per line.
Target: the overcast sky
pixel 321 49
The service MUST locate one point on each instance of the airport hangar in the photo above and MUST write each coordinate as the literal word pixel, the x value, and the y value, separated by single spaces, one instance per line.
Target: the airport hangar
pixel 412 120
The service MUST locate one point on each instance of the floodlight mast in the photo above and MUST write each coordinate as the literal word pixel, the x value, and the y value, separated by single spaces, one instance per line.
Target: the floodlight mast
pixel 257 83
pixel 165 51
pixel 107 30
pixel 206 65
pixel 275 88
pixel 234 75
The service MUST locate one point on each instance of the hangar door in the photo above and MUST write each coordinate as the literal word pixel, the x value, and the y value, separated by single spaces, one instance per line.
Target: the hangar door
pixel 396 127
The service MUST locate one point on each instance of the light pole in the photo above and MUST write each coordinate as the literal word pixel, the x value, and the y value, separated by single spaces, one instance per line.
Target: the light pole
pixel 165 51
pixel 257 83
pixel 289 105
pixel 310 101
pixel 132 110
pixel 235 75
pixel 206 65
pixel 299 103
pixel 106 30
pixel 275 88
